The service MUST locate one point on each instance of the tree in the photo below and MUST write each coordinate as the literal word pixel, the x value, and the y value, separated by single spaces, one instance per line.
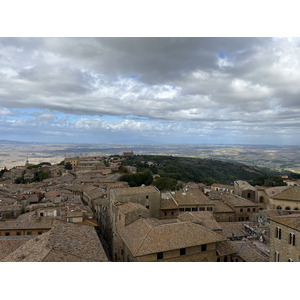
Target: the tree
pixel 68 166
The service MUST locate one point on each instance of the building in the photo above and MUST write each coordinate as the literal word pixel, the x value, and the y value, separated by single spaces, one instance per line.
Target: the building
pixel 244 189
pixel 285 238
pixel 168 207
pixel 149 240
pixel 223 188
pixel 128 154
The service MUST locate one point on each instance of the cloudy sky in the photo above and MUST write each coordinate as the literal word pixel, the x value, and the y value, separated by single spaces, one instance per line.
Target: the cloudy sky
pixel 150 90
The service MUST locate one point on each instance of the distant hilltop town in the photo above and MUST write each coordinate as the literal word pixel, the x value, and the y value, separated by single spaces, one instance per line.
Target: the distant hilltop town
pixel 126 208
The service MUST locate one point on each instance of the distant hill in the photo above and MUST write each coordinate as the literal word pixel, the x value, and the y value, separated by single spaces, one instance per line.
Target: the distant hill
pixel 198 170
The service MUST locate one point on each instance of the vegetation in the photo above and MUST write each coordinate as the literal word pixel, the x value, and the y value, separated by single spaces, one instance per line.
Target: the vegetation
pixel 198 170
pixel 3 171
pixel 68 166
pixel 268 180
pixel 166 184
pixel 38 176
pixel 33 167
pixel 139 178
pixel 62 163
pixel 293 176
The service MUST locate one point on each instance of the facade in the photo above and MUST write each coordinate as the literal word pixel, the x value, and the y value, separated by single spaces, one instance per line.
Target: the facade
pixel 285 238
pixel 168 207
pixel 223 188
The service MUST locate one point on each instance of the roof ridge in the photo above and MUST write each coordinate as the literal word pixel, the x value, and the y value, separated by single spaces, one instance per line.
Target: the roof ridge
pixel 144 237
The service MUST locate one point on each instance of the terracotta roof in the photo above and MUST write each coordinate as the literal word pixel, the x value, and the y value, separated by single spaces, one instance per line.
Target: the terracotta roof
pixel 191 197
pixel 233 230
pixel 221 207
pixel 168 204
pixel 292 193
pixel 292 221
pixel 273 191
pixel 44 223
pixel 135 190
pixel 244 185
pixel 66 242
pixel 143 238
pixel 9 244
pixel 248 252
pixel 204 218
pixel 126 208
pixel 237 201
pixel 225 248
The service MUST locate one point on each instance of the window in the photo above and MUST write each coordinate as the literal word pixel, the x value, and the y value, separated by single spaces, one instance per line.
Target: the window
pixel 172 213
pixel 241 210
pixel 209 209
pixel 287 208
pixel 217 219
pixel 230 219
pixel 253 209
pixel 290 260
pixel 147 206
pixel 277 256
pixel 147 197
pixel 247 218
pixel 248 209
pixel 128 259
pixel 181 209
pixel 218 259
pixel 7 233
pixel 261 199
pixel 279 207
pixel 122 252
pixel 160 255
pixel 187 209
pixel 225 258
pixel 119 217
pixel 235 260
pixel 201 208
pixel 249 195
pixel 41 214
pixel 165 213
pixel 278 233
pixel 203 248
pixel 40 232
pixel 241 219
pixel 182 251
pixel 292 239
pixel 18 233
pixel 194 208
pixel 28 232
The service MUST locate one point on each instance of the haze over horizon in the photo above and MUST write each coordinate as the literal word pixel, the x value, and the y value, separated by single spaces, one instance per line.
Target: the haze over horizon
pixel 150 90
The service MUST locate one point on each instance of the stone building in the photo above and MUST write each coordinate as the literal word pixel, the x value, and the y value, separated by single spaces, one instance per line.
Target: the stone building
pixel 285 238
pixel 149 240
pixel 168 207
pixel 244 189
pixel 223 188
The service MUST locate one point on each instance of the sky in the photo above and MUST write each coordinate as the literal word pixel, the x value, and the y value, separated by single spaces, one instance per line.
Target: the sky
pixel 150 90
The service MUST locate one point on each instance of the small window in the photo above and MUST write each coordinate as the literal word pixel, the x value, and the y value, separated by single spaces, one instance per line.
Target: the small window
pixel 122 252
pixel 201 208
pixel 218 259
pixel 165 213
pixel 230 219
pixel 217 219
pixel 254 209
pixel 241 219
pixel 209 209
pixel 249 195
pixel 160 255
pixel 203 248
pixel 147 206
pixel 40 232
pixel 287 208
pixel 277 256
pixel 18 233
pixel 247 218
pixel 225 258
pixel 194 208
pixel 119 217
pixel 248 209
pixel 278 233
pixel 279 207
pixel 147 197
pixel 290 260
pixel 241 210
pixel 172 213
pixel 28 232
pixel 187 209
pixel 182 251
pixel 292 239
pixel 261 199
pixel 7 233
pixel 181 209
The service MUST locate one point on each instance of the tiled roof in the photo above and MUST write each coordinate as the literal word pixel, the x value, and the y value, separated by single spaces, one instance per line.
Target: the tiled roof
pixel 204 218
pixel 233 230
pixel 225 248
pixel 126 208
pixel 273 191
pixel 168 204
pixel 292 193
pixel 43 223
pixel 221 207
pixel 248 252
pixel 292 221
pixel 244 185
pixel 143 238
pixel 65 242
pixel 135 190
pixel 237 201
pixel 191 197
pixel 9 244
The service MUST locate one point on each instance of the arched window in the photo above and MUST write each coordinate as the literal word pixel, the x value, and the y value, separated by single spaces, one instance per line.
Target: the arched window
pixel 279 207
pixel 296 208
pixel 287 208
pixel 261 199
